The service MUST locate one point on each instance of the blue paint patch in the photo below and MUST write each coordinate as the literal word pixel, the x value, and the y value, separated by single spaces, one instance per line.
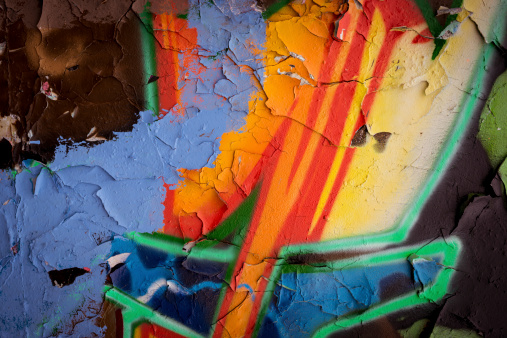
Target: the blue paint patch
pixel 303 302
pixel 134 204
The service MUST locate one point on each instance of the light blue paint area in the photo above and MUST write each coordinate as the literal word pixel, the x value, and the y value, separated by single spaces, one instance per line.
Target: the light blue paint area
pixel 72 176
pixel 240 101
pixel 57 221
pixel 132 155
pixel 425 270
pixel 244 24
pixel 204 86
pixel 147 116
pixel 134 204
pixel 204 153
pixel 303 302
pixel 242 80
pixel 8 205
pixel 249 288
pixel 225 88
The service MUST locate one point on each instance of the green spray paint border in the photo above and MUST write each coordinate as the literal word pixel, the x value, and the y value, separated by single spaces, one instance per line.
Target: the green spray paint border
pixel 448 250
pixel 434 26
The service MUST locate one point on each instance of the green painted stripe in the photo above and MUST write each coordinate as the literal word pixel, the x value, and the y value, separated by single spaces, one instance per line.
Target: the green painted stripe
pixel 434 26
pixel 149 59
pixel 268 294
pixel 429 15
pixel 135 313
pixel 238 221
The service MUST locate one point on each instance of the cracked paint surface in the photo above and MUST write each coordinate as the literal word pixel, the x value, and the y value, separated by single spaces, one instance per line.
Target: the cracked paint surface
pixel 240 168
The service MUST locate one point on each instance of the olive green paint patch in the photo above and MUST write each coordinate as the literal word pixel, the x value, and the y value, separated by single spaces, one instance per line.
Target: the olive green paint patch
pixel 493 124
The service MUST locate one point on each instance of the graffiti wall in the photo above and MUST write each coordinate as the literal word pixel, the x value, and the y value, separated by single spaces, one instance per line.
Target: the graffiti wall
pixel 242 168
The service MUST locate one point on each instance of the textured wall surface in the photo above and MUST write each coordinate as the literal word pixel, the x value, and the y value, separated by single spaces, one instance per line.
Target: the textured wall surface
pixel 237 168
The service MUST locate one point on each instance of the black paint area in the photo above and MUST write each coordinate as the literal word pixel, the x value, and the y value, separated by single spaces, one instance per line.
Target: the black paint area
pixel 5 154
pixel 65 277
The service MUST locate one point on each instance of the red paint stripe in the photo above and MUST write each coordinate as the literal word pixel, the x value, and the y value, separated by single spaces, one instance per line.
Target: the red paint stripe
pixel 303 144
pixel 298 223
pixel 166 71
pixel 171 221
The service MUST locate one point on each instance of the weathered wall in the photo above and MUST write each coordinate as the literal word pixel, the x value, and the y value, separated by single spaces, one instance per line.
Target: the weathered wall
pixel 239 168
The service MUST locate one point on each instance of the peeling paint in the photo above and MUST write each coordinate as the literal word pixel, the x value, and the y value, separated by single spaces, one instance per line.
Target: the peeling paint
pixel 252 168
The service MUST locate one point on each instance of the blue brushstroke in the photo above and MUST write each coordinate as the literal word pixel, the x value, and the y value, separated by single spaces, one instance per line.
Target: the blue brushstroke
pixel 204 285
pixel 249 288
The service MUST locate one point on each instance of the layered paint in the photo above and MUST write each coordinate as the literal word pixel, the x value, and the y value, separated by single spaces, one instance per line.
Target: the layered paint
pixel 270 186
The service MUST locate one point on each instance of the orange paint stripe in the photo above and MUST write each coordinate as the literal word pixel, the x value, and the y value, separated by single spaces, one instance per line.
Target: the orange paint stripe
pixel 259 208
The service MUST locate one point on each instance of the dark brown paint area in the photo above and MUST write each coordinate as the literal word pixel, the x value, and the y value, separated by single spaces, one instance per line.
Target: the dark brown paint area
pixel 74 72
